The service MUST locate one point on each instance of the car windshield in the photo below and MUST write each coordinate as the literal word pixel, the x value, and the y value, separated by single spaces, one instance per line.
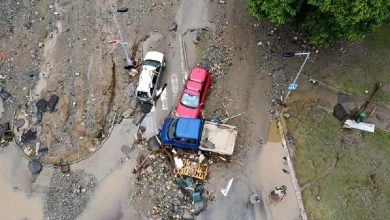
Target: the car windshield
pixel 190 101
pixel 151 63
pixel 172 129
pixel 143 95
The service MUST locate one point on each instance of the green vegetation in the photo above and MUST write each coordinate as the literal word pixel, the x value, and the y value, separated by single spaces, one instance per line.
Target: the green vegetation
pixel 42 7
pixel 201 46
pixel 41 31
pixel 359 71
pixel 326 22
pixel 358 186
pixel 65 2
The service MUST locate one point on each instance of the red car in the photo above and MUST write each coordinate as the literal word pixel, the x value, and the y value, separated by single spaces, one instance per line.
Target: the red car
pixel 194 94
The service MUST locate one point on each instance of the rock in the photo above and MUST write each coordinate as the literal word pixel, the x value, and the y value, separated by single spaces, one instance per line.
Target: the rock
pixel 318 198
pixel 20 122
pixel 199 207
pixel 51 104
pixel 4 95
pixel 40 44
pixel 221 2
pixel 29 136
pixel 77 74
pixel 4 129
pixel 34 166
pixel 41 105
pixel 173 26
pixel 151 192
pixel 28 151
pixel 286 115
pixel 43 152
pixel 187 216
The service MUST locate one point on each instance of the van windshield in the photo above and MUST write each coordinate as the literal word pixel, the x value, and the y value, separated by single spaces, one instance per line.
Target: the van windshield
pixel 172 129
pixel 151 63
pixel 142 94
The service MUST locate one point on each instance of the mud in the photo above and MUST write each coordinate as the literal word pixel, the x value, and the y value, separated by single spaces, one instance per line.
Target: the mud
pixel 116 187
pixel 15 188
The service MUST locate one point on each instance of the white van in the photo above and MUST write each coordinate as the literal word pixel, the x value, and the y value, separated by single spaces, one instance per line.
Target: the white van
pixel 149 79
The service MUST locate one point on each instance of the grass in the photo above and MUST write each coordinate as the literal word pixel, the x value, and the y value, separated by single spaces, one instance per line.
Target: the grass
pixel 65 2
pixel 359 186
pixel 41 31
pixel 201 46
pixel 42 7
pixel 360 70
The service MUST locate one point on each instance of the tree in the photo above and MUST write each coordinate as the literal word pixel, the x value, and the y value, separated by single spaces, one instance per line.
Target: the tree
pixel 325 21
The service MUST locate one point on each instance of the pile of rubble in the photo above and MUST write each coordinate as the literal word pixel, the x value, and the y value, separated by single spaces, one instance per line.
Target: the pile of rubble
pixel 217 59
pixel 69 194
pixel 174 193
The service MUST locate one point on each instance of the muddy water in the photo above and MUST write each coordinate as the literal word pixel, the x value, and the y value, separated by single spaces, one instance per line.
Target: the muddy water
pixel 111 197
pixel 15 201
pixel 270 166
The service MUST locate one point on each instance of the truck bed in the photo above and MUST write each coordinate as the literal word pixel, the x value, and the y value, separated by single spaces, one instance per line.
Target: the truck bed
pixel 218 138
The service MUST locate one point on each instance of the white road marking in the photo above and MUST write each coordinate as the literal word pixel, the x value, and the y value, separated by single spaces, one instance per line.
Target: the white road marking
pixel 175 84
pixel 164 100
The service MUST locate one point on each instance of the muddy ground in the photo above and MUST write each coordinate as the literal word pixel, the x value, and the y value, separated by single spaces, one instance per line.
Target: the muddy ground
pixel 61 48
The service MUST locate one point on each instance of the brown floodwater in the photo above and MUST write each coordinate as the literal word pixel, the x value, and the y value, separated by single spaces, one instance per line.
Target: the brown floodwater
pixel 15 200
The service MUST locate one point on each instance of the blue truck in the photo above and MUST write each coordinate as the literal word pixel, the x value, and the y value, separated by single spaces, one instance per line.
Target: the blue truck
pixel 197 134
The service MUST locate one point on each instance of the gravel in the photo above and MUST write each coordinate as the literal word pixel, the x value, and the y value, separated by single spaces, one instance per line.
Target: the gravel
pixel 158 183
pixel 69 194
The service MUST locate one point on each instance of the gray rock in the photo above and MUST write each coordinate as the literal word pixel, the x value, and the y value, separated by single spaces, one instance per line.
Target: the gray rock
pixel 173 26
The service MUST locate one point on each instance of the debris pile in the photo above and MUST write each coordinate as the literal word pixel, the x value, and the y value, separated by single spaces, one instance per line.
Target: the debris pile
pixel 69 194
pixel 174 193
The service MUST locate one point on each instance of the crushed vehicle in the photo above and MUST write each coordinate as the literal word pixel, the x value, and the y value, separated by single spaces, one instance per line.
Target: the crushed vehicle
pixel 149 79
pixel 192 99
pixel 198 134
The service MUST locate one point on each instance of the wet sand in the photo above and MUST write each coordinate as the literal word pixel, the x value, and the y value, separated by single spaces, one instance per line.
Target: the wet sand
pixel 270 165
pixel 15 200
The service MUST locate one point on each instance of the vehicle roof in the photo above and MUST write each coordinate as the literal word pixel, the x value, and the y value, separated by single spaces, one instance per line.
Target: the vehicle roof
pixel 188 128
pixel 198 74
pixel 154 55
pixel 145 79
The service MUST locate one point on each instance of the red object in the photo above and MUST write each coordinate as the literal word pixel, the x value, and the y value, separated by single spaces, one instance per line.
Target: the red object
pixel 194 93
pixel 114 42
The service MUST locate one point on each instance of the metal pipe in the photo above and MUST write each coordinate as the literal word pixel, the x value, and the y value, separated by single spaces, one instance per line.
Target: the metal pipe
pixel 125 49
pixel 299 72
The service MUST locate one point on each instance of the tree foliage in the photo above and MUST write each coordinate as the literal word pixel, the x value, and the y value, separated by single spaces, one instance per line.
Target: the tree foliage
pixel 326 21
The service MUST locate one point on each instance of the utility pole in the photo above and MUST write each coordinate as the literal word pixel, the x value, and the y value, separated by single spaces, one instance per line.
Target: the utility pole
pixel 293 85
pixel 129 63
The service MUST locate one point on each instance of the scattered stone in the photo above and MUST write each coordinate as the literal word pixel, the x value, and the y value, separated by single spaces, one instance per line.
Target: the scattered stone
pixel 28 151
pixel 4 129
pixel 28 136
pixel 198 207
pixel 68 194
pixel 51 104
pixel 187 216
pixel 41 105
pixel 34 166
pixel 173 27
pixel 20 122
pixel 4 95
